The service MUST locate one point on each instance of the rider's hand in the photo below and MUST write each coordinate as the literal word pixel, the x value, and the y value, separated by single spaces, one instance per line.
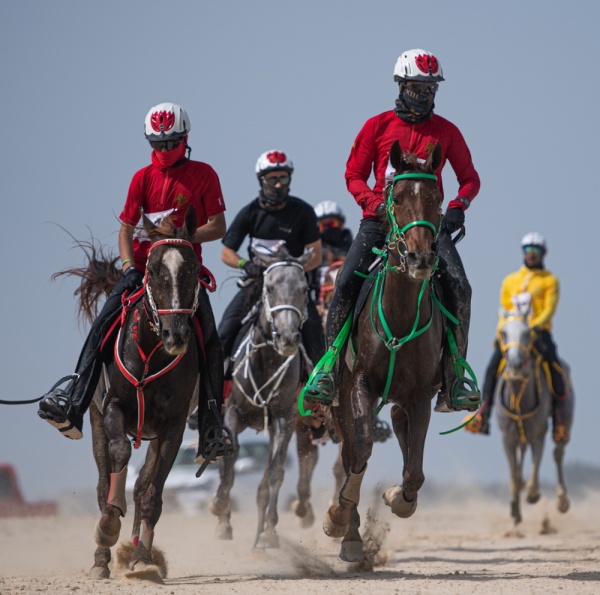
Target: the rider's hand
pixel 132 279
pixel 380 210
pixel 453 220
pixel 251 269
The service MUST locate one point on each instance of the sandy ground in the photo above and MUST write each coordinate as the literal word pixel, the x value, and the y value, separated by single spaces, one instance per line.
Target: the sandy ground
pixel 469 547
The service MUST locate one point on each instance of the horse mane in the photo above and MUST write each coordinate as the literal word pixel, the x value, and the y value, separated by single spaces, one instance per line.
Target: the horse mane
pixel 98 275
pixel 167 229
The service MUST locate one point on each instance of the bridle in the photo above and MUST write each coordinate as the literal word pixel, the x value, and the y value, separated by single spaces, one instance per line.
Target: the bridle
pixel 155 313
pixel 396 239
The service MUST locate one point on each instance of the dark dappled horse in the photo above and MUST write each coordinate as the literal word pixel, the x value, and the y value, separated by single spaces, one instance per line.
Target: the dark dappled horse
pixel 266 378
pixel 398 343
pixel 524 404
pixel 151 380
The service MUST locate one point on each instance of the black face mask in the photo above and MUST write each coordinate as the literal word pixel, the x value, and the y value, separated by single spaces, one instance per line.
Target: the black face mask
pixel 413 104
pixel 331 236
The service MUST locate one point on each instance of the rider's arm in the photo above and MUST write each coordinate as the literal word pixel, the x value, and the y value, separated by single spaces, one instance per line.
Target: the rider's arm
pixel 461 161
pixel 213 229
pixel 126 245
pixel 317 255
pixel 548 304
pixel 231 258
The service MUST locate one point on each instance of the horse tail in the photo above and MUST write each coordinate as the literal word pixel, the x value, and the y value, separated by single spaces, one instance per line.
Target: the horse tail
pixel 98 275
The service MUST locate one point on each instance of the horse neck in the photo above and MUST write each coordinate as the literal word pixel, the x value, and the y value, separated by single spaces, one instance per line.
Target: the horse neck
pixel 400 288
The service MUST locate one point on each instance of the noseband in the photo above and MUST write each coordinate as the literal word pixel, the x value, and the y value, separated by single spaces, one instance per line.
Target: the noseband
pixel 155 312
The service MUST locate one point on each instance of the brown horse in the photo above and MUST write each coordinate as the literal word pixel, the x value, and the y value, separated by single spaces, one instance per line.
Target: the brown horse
pixel 151 380
pixel 398 343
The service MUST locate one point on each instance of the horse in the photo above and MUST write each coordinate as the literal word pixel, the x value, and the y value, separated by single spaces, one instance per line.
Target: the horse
pixel 150 382
pixel 328 278
pixel 524 404
pixel 402 314
pixel 268 368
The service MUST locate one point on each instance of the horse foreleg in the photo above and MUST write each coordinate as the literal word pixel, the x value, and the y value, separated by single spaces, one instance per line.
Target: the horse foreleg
pixel 515 467
pixel 563 503
pixel 281 430
pixel 308 456
pixel 220 503
pixel 338 473
pixel 100 448
pixel 533 484
pixel 141 486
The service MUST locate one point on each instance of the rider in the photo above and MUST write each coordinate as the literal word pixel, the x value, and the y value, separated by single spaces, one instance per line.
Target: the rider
pixel 273 218
pixel 168 186
pixel 540 288
pixel 418 129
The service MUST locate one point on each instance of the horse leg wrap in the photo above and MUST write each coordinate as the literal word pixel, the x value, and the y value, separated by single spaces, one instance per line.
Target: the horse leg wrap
pixel 116 493
pixel 143 547
pixel 351 489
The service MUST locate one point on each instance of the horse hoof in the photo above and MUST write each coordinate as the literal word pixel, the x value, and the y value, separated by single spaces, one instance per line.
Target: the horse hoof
pixel 305 514
pixel 533 498
pixel 563 504
pixel 99 572
pixel 219 507
pixel 331 529
pixel 267 540
pixel 224 532
pixel 352 551
pixel 104 540
pixel 394 498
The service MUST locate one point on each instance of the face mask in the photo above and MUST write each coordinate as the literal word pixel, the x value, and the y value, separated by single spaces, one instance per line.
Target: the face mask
pixel 415 104
pixel 331 236
pixel 169 158
pixel 273 195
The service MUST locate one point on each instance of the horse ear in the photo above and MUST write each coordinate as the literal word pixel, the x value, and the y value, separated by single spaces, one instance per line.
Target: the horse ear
pixel 191 221
pixel 148 225
pixel 435 157
pixel 396 156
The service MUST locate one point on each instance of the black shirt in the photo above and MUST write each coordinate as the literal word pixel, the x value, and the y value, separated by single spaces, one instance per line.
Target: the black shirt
pixel 295 223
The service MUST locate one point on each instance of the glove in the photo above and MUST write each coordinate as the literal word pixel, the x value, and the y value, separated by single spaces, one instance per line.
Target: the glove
pixel 453 220
pixel 380 210
pixel 251 269
pixel 132 279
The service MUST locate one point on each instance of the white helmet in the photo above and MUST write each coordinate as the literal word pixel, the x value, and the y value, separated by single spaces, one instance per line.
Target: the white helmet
pixel 533 238
pixel 273 160
pixel 418 65
pixel 329 208
pixel 166 121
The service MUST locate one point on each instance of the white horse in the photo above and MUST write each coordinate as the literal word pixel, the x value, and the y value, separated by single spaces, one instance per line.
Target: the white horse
pixel 523 406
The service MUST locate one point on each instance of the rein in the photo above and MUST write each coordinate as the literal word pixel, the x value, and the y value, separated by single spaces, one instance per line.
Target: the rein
pixel 155 325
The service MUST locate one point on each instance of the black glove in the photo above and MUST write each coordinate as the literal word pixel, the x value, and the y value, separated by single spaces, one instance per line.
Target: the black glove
pixel 453 220
pixel 251 269
pixel 132 279
pixel 380 210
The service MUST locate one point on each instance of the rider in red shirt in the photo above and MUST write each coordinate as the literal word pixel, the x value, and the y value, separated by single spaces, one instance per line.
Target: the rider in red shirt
pixel 167 187
pixel 418 129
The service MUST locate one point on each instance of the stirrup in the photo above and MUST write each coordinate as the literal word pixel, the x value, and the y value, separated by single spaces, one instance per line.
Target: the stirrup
pixel 321 389
pixel 465 395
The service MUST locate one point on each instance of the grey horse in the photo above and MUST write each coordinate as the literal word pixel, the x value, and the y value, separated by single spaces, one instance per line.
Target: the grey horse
pixel 524 404
pixel 266 378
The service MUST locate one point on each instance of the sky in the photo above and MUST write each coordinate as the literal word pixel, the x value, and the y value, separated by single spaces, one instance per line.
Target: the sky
pixel 303 77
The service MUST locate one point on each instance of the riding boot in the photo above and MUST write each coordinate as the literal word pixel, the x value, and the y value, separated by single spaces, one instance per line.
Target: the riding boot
pixel 64 408
pixel 458 392
pixel 348 285
pixel 561 419
pixel 215 440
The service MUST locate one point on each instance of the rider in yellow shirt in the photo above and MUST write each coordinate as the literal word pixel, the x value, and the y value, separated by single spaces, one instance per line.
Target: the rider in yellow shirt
pixel 534 283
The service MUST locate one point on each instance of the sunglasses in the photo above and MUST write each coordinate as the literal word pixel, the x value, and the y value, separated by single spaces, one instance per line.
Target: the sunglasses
pixel 274 180
pixel 329 224
pixel 418 87
pixel 533 250
pixel 165 145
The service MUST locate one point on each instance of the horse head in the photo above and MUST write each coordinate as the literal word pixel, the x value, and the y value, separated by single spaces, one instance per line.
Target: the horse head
pixel 413 209
pixel 284 299
pixel 515 341
pixel 171 281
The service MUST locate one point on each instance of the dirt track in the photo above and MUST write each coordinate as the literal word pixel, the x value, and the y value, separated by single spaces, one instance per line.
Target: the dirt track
pixel 441 549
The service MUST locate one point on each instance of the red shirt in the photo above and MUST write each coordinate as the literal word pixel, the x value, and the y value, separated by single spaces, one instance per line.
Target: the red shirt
pixel 371 150
pixel 155 189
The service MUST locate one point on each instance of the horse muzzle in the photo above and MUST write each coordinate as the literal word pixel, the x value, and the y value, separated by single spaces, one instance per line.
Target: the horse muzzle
pixel 420 264
pixel 176 336
pixel 286 343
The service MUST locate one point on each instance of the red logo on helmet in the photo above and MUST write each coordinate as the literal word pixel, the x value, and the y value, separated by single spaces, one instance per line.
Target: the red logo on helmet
pixel 162 121
pixel 427 63
pixel 276 157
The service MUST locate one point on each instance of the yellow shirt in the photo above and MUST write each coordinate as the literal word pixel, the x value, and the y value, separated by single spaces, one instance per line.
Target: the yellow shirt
pixel 544 289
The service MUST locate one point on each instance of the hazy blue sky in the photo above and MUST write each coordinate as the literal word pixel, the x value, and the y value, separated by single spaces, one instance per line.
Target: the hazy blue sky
pixel 78 78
